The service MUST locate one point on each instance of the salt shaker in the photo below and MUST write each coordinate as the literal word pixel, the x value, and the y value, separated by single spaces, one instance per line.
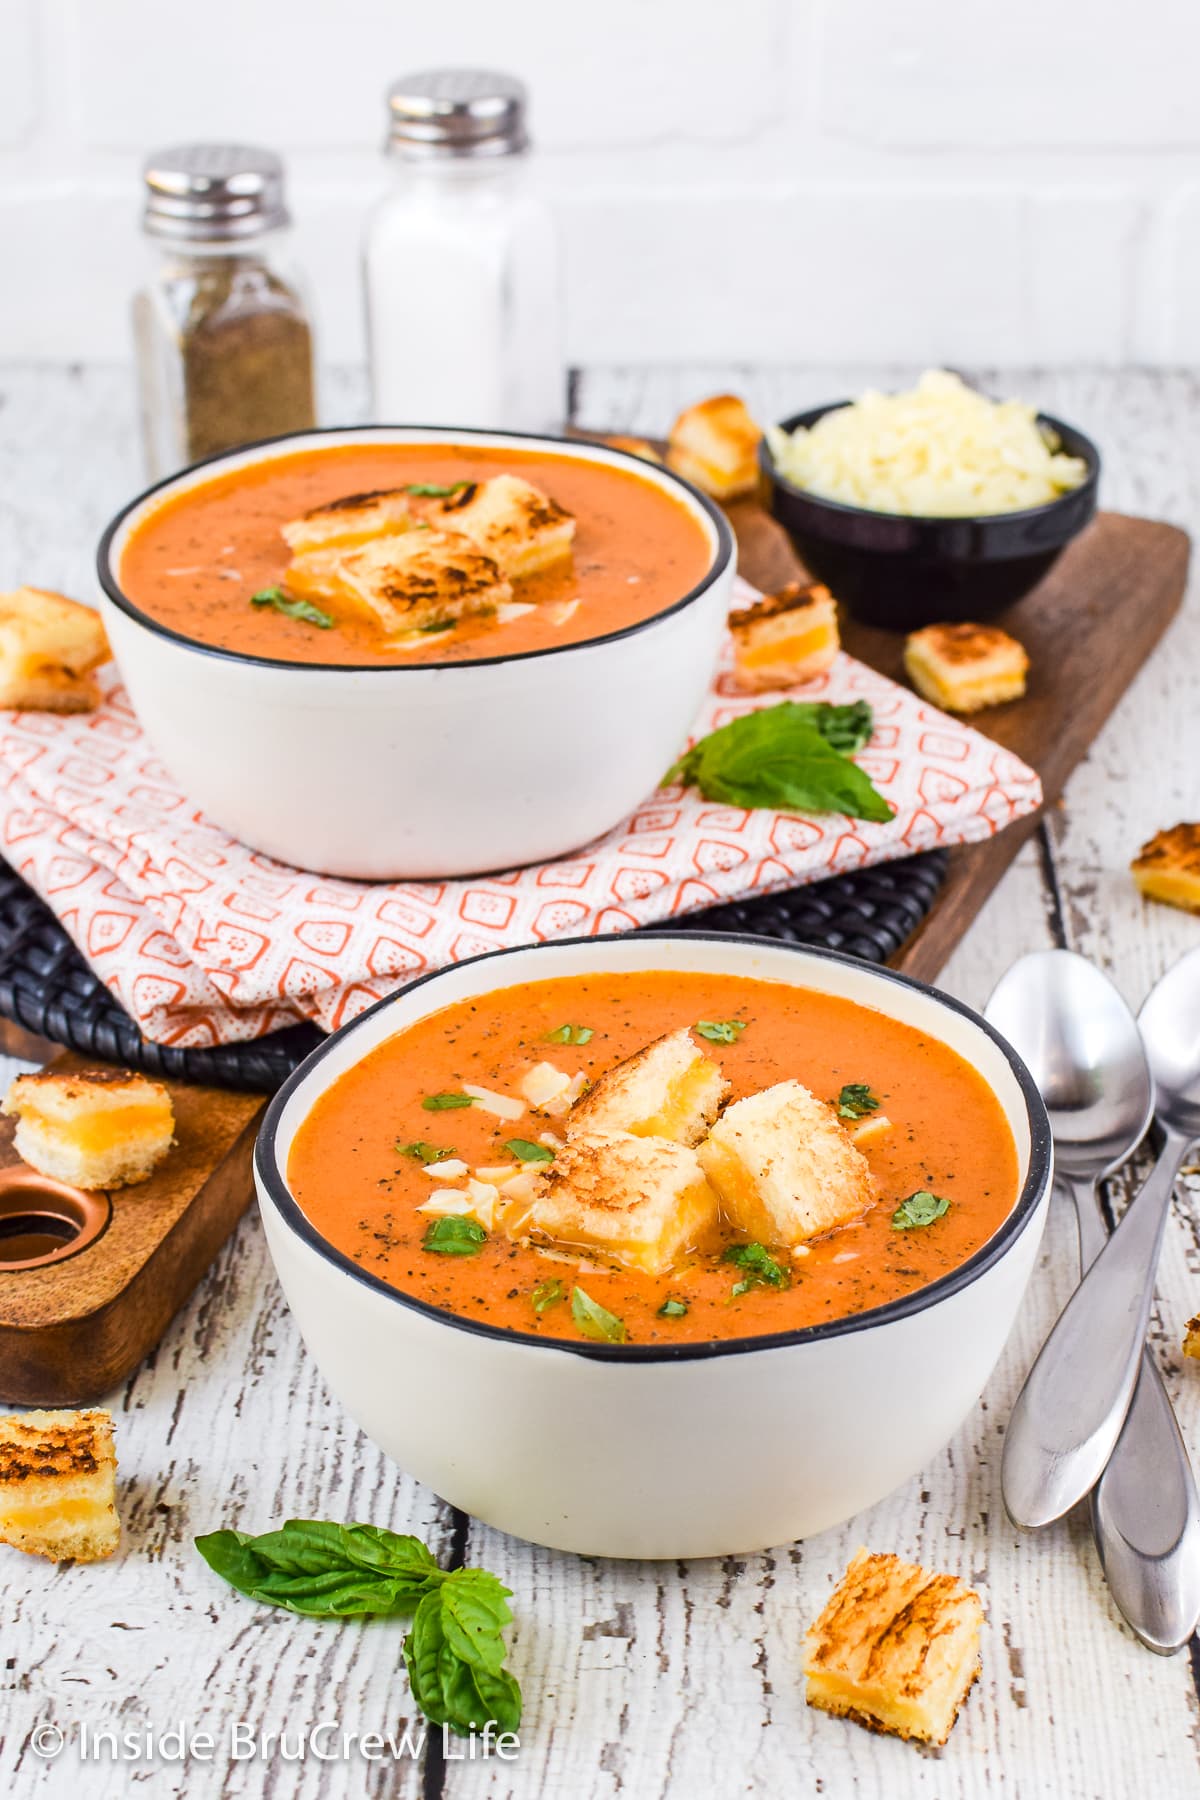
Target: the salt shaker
pixel 221 327
pixel 462 280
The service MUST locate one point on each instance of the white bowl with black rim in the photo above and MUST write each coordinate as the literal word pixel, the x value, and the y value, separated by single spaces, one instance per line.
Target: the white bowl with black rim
pixel 694 1449
pixel 422 769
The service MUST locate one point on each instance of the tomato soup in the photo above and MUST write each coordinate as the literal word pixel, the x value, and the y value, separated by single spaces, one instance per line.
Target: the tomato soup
pixel 194 563
pixel 359 1163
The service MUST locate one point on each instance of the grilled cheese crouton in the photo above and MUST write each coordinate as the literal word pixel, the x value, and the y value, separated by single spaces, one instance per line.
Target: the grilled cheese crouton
pixel 786 637
pixel 784 1167
pixel 413 581
pixel 1168 867
pixel 1191 1337
pixel 58 1495
pixel 671 1089
pixel 353 520
pixel 634 446
pixel 640 1201
pixel 522 529
pixel 896 1648
pixel 963 668
pixel 49 646
pixel 715 444
pixel 101 1128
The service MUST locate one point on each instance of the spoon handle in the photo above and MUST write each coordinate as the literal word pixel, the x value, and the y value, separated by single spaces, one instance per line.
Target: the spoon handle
pixel 1145 1508
pixel 1069 1413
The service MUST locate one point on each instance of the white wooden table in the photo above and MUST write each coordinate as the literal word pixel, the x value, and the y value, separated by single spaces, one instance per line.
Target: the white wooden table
pixel 641 1680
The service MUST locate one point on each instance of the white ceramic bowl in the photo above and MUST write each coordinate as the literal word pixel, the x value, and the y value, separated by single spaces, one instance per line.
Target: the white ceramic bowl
pixel 430 769
pixel 659 1451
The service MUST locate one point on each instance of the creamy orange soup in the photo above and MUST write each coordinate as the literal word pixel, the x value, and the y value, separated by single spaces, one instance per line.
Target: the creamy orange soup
pixel 351 1177
pixel 195 561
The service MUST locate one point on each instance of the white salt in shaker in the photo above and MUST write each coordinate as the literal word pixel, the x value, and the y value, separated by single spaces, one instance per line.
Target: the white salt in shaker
pixel 462 280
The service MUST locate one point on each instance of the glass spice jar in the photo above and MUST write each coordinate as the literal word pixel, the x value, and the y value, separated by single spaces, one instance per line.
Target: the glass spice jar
pixel 221 327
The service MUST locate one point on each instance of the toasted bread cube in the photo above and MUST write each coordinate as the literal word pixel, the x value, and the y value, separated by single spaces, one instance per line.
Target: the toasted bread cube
pixel 1168 867
pixel 522 529
pixel 101 1128
pixel 634 446
pixel 715 445
pixel 353 520
pixel 58 1491
pixel 785 638
pixel 784 1167
pixel 963 668
pixel 1191 1337
pixel 671 1089
pixel 49 646
pixel 414 581
pixel 639 1201
pixel 896 1648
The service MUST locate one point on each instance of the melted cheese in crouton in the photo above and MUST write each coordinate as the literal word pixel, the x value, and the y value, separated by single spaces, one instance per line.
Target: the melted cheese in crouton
pixel 671 1089
pixel 1168 867
pixel 58 1485
pixel 96 1129
pixel 784 1167
pixel 785 638
pixel 643 1202
pixel 521 528
pixel 353 520
pixel 896 1648
pixel 415 581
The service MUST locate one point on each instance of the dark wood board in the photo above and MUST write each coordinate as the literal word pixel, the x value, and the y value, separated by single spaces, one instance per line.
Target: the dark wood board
pixel 72 1330
pixel 1088 628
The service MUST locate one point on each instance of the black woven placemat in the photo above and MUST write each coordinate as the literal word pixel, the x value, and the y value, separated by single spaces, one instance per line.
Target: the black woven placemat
pixel 46 986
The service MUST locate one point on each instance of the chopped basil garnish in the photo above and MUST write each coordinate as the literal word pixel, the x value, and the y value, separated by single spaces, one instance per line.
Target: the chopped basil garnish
pixel 921 1208
pixel 456 1235
pixel 433 490
pixel 445 1102
pixel 436 625
pixel 594 1320
pixel 782 757
pixel 547 1294
pixel 422 1152
pixel 673 1309
pixel 856 1100
pixel 292 609
pixel 758 1266
pixel 721 1031
pixel 524 1151
pixel 569 1034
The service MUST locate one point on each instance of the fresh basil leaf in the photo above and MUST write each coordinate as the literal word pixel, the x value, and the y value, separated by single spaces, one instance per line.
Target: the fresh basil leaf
pixel 777 757
pixel 458 1234
pixel 720 1031
pixel 673 1309
pixel 921 1208
pixel 325 1570
pixel 433 490
pixel 422 1152
pixel 846 728
pixel 759 1267
pixel 547 1294
pixel 526 1152
pixel 462 1692
pixel 445 1102
pixel 856 1101
pixel 594 1320
pixel 304 610
pixel 569 1034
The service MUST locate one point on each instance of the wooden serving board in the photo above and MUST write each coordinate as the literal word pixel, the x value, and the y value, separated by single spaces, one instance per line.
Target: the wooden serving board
pixel 72 1330
pixel 1088 628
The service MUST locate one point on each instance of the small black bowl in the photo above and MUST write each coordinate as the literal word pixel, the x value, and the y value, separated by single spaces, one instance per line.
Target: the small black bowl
pixel 901 572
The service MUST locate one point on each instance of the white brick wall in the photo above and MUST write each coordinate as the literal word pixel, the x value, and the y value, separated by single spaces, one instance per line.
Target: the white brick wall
pixel 777 180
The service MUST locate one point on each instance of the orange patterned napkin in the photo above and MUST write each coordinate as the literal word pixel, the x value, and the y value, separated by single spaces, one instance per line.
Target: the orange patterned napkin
pixel 204 941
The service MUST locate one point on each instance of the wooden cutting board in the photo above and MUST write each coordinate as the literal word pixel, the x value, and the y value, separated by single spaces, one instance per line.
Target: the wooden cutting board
pixel 73 1329
pixel 1088 628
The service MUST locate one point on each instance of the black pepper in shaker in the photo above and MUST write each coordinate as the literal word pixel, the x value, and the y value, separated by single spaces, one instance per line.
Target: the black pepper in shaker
pixel 222 333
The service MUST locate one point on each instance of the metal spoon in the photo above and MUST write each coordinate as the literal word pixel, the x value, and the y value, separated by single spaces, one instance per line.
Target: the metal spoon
pixel 1081 1044
pixel 1070 1412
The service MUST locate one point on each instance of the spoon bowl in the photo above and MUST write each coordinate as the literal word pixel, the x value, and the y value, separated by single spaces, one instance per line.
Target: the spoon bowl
pixel 1170 1027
